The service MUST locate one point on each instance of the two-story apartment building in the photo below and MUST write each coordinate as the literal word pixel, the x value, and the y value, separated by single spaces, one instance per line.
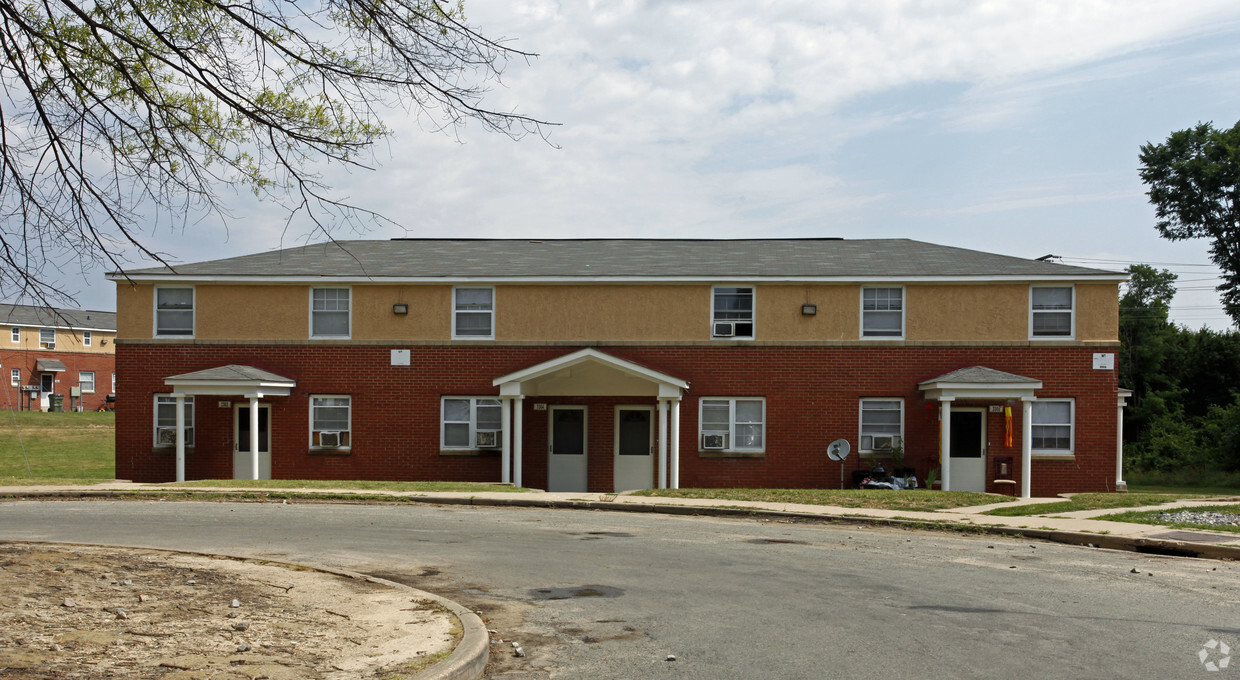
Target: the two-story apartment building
pixel 614 364
pixel 46 351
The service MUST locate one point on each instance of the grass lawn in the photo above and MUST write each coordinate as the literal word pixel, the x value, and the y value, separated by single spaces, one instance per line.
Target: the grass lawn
pixel 1151 517
pixel 883 499
pixel 1093 501
pixel 353 485
pixel 60 448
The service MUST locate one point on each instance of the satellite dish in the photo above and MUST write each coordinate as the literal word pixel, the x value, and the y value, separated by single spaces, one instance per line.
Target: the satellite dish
pixel 838 449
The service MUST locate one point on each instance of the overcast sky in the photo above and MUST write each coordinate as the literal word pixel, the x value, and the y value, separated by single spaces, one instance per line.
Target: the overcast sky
pixel 1011 127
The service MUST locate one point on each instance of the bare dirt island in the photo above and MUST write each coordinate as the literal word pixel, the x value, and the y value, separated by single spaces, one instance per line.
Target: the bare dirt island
pixel 83 612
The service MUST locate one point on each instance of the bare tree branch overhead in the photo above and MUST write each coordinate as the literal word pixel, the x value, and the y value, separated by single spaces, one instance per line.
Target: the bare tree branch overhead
pixel 117 115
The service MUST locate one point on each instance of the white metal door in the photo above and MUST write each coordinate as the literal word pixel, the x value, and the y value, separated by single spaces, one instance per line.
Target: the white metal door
pixel 634 465
pixel 47 384
pixel 241 442
pixel 566 451
pixel 968 453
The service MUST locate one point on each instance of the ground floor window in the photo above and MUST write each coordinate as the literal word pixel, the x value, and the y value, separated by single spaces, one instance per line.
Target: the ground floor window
pixel 732 424
pixel 166 420
pixel 882 425
pixel 330 421
pixel 471 423
pixel 1052 426
pixel 86 380
pixel 15 377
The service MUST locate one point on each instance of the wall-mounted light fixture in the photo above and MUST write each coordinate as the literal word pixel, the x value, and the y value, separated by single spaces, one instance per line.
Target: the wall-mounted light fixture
pixel 400 308
pixel 809 310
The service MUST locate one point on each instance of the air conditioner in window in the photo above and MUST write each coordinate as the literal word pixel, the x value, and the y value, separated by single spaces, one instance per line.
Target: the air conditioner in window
pixel 329 439
pixel 883 443
pixel 167 436
pixel 714 441
pixel 47 345
pixel 724 330
pixel 486 439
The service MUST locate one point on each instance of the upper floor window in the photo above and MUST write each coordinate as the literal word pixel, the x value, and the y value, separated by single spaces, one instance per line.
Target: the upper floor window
pixel 731 314
pixel 86 380
pixel 1052 426
pixel 1051 312
pixel 331 422
pixel 733 424
pixel 16 334
pixel 471 423
pixel 166 420
pixel 473 313
pixel 86 338
pixel 329 312
pixel 174 311
pixel 47 338
pixel 882 425
pixel 882 312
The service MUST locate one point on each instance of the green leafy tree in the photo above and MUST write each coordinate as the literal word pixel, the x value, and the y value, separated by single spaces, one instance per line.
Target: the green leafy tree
pixel 1148 342
pixel 1194 185
pixel 120 114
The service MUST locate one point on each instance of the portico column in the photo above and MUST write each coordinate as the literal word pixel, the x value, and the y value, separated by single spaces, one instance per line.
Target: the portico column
pixel 180 406
pixel 674 440
pixel 945 440
pixel 505 424
pixel 518 421
pixel 662 443
pixel 1026 445
pixel 1120 484
pixel 253 436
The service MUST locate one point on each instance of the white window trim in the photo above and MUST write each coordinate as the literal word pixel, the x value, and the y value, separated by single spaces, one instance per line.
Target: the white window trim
pixel 903 311
pixel 15 377
pixel 113 382
pixel 1071 314
pixel 473 422
pixel 349 431
pixel 45 342
pixel 753 315
pixel 732 424
pixel 83 386
pixel 86 338
pixel 15 335
pixel 491 336
pixel 189 421
pixel 861 423
pixel 1071 450
pixel 193 310
pixel 310 318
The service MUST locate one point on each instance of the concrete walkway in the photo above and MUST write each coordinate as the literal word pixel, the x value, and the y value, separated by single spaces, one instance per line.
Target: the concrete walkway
pixel 1081 528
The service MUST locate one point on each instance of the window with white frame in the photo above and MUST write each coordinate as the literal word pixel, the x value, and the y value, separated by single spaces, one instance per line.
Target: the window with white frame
pixel 331 421
pixel 329 312
pixel 471 423
pixel 86 338
pixel 47 338
pixel 731 312
pixel 882 425
pixel 473 313
pixel 1052 426
pixel 114 382
pixel 15 377
pixel 1051 312
pixel 166 420
pixel 882 312
pixel 86 381
pixel 15 334
pixel 174 311
pixel 735 424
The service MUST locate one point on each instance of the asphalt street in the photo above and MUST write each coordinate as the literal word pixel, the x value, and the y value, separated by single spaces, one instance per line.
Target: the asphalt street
pixel 612 595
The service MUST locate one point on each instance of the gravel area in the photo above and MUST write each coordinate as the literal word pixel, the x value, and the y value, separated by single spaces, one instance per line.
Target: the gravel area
pixel 1209 518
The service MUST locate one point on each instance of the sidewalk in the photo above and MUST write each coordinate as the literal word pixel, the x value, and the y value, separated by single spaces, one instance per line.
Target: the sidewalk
pixel 1078 528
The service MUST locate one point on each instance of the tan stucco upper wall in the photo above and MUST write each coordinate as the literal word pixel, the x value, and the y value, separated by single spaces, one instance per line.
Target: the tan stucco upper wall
pixel 135 310
pixel 779 317
pixel 429 317
pixel 224 312
pixel 977 312
pixel 1097 311
pixel 67 340
pixel 605 312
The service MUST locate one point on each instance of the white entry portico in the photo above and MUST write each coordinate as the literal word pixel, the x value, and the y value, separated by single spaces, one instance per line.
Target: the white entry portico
pixel 591 373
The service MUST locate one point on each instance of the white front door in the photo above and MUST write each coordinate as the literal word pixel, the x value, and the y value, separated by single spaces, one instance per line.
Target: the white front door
pixel 47 384
pixel 566 451
pixel 242 466
pixel 634 467
pixel 968 453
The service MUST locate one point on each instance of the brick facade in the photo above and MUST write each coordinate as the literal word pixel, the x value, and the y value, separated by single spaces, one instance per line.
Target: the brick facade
pixel 812 395
pixel 12 397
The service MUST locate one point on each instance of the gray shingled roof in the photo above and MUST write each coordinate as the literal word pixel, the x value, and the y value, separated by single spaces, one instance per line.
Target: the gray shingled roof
pixel 980 375
pixel 658 258
pixel 55 317
pixel 232 373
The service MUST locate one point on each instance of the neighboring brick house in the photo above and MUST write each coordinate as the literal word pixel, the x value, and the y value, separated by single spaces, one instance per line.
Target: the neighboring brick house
pixel 46 351
pixel 600 365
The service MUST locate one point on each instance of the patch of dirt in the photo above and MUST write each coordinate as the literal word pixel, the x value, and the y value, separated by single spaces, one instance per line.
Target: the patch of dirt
pixel 86 612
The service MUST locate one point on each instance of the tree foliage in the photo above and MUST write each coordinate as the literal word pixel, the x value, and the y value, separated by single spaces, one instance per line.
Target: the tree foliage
pixel 1194 185
pixel 121 114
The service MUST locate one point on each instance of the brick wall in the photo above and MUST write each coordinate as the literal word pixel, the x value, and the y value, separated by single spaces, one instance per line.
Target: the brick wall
pixel 102 364
pixel 811 393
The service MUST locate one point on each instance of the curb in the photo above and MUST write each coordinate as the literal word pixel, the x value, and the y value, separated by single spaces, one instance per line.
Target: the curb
pixel 1154 546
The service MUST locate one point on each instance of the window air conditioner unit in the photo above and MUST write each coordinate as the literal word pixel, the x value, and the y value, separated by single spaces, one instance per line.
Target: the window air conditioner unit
pixel 47 345
pixel 167 436
pixel 714 441
pixel 486 439
pixel 883 443
pixel 724 330
pixel 329 439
